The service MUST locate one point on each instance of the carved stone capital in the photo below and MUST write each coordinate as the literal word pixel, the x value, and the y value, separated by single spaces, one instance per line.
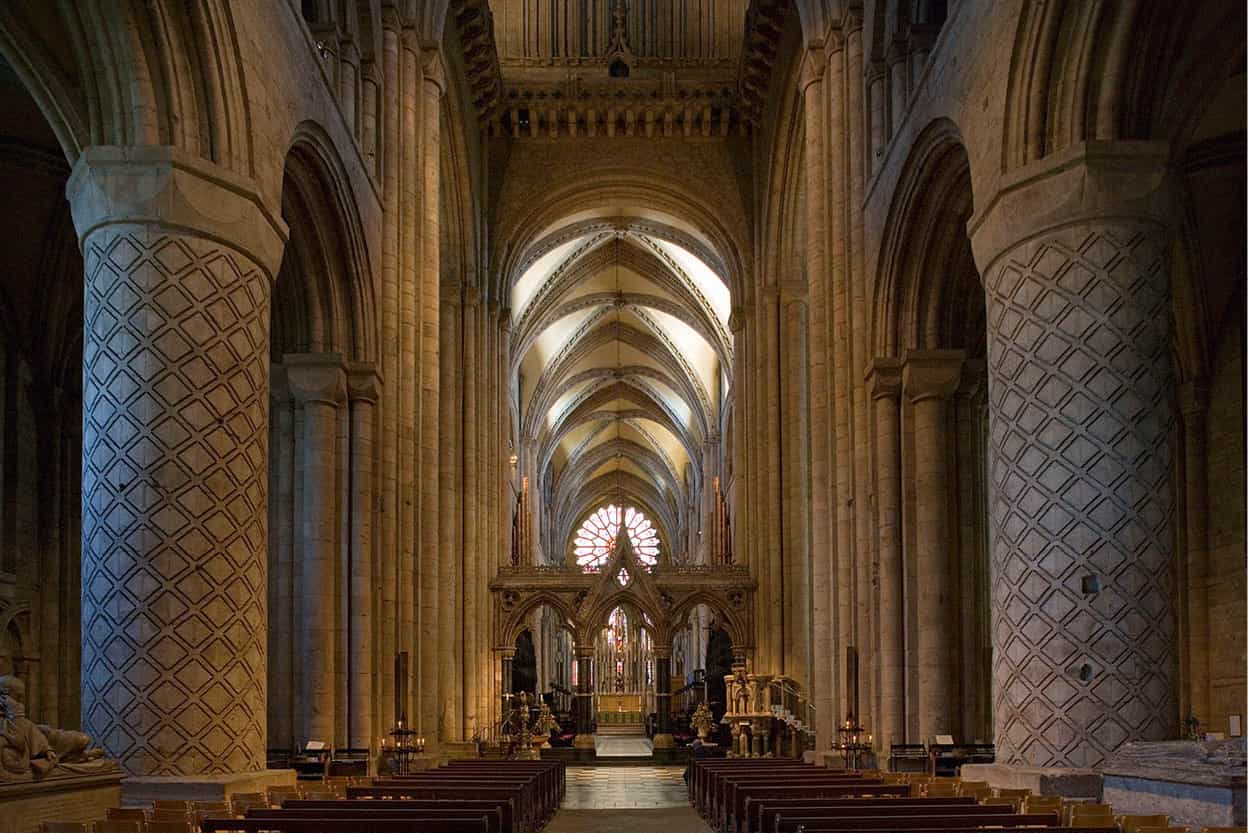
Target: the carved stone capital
pixel 1089 181
pixel 884 378
pixel 169 188
pixel 930 374
pixel 738 318
pixel 363 382
pixel 316 377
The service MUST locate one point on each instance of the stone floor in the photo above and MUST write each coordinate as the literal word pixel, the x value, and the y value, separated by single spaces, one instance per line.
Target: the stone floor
pixel 632 799
pixel 605 745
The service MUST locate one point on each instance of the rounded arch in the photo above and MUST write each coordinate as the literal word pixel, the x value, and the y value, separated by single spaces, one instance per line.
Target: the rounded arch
pixel 925 247
pixel 1096 71
pixel 124 86
pixel 324 296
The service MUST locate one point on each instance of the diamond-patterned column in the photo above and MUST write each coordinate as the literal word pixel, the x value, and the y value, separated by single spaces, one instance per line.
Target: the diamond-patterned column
pixel 1080 389
pixel 179 258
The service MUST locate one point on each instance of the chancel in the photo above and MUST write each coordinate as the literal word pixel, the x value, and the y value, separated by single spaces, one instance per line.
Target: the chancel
pixel 486 415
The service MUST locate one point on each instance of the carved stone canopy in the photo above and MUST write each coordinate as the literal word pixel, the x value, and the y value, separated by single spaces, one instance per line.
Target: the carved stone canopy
pixel 664 593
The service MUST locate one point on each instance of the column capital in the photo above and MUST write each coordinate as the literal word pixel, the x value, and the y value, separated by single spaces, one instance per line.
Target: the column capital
pixel 583 652
pixel 316 377
pixel 1089 181
pixel 363 382
pixel 883 378
pixel 737 318
pixel 169 188
pixel 928 374
pixel 661 651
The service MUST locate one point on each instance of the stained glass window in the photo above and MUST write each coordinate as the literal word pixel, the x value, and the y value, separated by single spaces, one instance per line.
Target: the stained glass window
pixel 596 538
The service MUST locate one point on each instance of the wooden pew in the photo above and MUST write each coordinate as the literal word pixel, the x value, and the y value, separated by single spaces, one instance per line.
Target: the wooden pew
pixel 706 772
pixel 831 821
pixel 714 780
pixel 910 807
pixel 491 815
pixel 504 809
pixel 521 811
pixel 760 815
pixel 734 792
pixel 532 804
pixel 365 823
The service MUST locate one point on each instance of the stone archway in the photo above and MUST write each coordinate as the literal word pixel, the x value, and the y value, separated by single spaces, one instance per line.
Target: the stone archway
pixel 661 594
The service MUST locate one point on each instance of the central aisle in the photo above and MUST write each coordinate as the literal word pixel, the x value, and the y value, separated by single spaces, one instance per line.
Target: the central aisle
pixel 628 799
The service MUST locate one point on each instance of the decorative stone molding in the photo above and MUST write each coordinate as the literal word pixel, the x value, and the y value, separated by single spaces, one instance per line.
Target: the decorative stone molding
pixel 884 378
pixel 1075 256
pixel 363 382
pixel 475 22
pixel 169 188
pixel 179 259
pixel 316 377
pixel 764 24
pixel 928 374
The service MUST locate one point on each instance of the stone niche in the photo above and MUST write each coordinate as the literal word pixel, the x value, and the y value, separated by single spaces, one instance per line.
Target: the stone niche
pixel 1198 784
pixel 24 806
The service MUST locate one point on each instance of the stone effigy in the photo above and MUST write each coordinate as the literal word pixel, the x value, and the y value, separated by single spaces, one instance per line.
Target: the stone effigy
pixel 30 751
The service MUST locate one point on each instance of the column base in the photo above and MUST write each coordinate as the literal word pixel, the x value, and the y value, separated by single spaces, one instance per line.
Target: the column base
pixel 583 741
pixel 664 741
pixel 1068 782
pixel 140 790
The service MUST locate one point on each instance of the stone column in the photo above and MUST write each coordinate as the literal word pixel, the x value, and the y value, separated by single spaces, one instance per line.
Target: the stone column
pixel 584 695
pixel 1194 401
pixel 968 574
pixel 1073 250
pixel 432 613
pixel 180 256
pixel 318 383
pixel 663 697
pixel 929 378
pixel 450 520
pixel 884 381
pixel 363 390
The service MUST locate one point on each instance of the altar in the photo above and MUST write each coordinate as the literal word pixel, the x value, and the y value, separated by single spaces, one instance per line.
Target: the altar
pixel 620 702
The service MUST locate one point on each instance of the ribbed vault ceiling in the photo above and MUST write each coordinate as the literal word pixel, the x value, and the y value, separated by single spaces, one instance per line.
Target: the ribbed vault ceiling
pixel 622 352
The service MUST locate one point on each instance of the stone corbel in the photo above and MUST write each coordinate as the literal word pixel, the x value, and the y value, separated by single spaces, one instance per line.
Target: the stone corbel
pixel 316 377
pixel 363 382
pixel 167 187
pixel 930 374
pixel 1089 181
pixel 883 378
